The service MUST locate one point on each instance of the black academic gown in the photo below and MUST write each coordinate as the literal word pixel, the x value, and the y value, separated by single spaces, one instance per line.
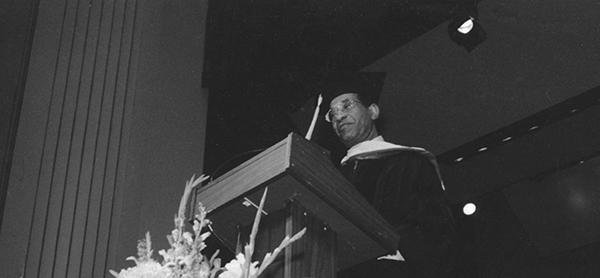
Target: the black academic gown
pixel 405 189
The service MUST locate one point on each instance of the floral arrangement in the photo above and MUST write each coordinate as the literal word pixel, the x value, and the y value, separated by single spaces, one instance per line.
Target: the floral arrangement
pixel 184 259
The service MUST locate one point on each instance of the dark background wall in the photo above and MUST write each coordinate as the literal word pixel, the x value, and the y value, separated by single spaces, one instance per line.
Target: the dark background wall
pixel 169 120
pixel 16 30
pixel 538 209
pixel 535 56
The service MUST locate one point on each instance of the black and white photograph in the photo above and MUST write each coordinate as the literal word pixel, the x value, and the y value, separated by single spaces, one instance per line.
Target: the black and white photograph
pixel 300 138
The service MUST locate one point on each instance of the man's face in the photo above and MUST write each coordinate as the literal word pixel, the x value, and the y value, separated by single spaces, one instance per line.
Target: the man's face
pixel 352 122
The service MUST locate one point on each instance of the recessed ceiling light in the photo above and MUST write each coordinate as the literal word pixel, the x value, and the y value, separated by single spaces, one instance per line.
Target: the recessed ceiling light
pixel 506 139
pixel 574 110
pixel 469 208
pixel 459 159
pixel 482 149
pixel 534 127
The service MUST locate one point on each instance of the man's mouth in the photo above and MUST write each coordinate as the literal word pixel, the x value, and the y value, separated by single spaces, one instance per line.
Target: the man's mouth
pixel 343 125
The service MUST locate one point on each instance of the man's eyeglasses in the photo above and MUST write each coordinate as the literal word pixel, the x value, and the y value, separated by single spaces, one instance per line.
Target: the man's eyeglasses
pixel 343 106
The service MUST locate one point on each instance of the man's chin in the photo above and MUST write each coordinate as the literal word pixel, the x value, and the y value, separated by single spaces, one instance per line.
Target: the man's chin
pixel 349 141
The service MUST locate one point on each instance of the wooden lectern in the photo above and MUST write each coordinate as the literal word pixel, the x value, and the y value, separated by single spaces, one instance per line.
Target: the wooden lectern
pixel 305 190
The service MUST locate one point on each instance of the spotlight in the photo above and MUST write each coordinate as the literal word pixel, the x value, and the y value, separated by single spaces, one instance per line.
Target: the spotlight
pixel 467 26
pixel 464 28
pixel 469 209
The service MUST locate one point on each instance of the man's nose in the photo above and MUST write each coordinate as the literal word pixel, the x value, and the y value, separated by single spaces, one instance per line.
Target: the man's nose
pixel 339 116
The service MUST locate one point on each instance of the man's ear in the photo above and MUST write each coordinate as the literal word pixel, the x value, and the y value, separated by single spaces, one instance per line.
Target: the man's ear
pixel 374 111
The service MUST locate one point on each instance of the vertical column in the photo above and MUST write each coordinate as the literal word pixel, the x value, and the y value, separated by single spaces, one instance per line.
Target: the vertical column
pixel 111 126
pixel 70 140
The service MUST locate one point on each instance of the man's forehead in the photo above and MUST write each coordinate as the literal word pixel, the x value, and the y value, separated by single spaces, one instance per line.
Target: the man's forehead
pixel 343 97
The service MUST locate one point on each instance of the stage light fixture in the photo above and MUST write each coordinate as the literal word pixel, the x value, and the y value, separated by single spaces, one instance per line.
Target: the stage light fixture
pixel 464 28
pixel 469 209
pixel 467 26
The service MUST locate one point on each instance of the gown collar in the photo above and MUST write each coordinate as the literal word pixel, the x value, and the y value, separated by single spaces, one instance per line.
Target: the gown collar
pixel 377 147
pixel 374 146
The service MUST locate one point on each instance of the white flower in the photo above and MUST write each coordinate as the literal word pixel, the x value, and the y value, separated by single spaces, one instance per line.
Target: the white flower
pixel 187 236
pixel 148 269
pixel 233 269
pixel 175 235
pixel 184 257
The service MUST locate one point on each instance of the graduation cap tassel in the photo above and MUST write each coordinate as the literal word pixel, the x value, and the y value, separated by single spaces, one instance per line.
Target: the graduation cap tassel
pixel 311 129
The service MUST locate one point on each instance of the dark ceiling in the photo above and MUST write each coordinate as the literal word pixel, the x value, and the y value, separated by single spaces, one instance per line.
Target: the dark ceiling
pixel 255 38
pixel 538 67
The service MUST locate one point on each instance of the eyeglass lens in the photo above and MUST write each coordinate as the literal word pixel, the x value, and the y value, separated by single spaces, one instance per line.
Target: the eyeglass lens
pixel 342 107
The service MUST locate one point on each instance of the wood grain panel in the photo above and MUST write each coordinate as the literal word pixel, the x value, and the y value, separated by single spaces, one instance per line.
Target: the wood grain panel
pixel 314 255
pixel 254 172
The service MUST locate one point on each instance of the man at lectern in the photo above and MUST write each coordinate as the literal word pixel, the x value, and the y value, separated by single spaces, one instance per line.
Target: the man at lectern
pixel 402 183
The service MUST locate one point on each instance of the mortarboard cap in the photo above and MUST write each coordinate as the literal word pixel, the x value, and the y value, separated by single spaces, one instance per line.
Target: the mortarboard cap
pixel 367 84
